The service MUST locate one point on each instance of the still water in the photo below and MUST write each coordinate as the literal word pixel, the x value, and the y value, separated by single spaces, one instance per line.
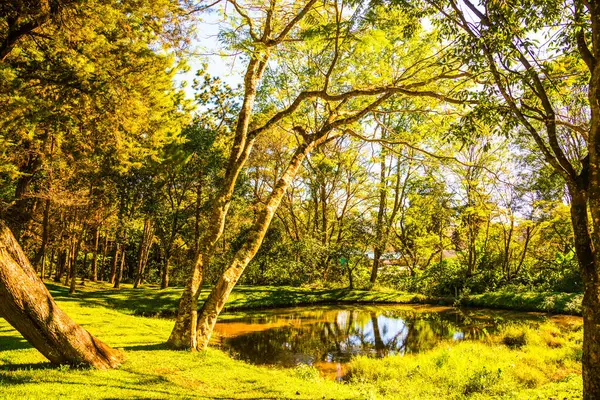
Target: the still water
pixel 327 337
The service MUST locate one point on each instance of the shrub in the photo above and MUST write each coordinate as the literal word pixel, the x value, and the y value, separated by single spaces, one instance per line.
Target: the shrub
pixel 482 379
pixel 514 336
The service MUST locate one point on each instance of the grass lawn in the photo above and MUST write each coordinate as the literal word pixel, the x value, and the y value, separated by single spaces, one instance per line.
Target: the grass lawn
pixel 518 363
pixel 553 302
pixel 150 301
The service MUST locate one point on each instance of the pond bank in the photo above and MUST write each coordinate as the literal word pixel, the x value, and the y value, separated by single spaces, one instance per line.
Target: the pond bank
pixel 328 337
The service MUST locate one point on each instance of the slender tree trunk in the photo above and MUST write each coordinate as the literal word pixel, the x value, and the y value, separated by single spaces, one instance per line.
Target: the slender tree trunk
pixel 70 262
pixel 524 253
pixel 377 252
pixel 137 279
pixel 47 264
pixel 325 241
pixel 119 276
pixel 115 260
pixel 84 267
pixel 350 277
pixel 143 253
pixel 375 266
pixel 73 269
pixel 28 306
pixel 218 296
pixel 41 254
pixel 94 277
pixel 60 269
pixel 103 262
pixel 164 279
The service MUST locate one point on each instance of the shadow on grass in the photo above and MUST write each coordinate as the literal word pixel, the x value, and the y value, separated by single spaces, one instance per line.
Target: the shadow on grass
pixel 145 302
pixel 147 347
pixel 29 367
pixel 10 342
pixel 154 302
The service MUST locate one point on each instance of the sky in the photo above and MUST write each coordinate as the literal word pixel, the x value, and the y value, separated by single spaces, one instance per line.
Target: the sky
pixel 208 50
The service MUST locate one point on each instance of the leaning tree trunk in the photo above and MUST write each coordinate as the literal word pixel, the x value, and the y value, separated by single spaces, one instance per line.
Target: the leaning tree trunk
pixel 184 331
pixel 28 306
pixel 218 296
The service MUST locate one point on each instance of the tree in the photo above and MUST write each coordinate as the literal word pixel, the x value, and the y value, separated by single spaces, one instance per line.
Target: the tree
pixel 81 87
pixel 28 306
pixel 535 97
pixel 331 111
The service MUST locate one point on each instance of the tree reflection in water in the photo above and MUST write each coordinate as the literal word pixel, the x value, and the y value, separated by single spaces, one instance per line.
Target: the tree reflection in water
pixel 328 337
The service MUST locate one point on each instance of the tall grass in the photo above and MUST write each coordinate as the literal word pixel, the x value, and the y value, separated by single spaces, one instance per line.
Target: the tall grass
pixel 517 362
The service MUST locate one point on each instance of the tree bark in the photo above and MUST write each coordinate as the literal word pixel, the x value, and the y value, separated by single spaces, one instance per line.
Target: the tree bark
pixel 28 306
pixel 218 296
pixel 377 252
pixel 591 298
pixel 60 269
pixel 164 279
pixel 73 269
pixel 143 253
pixel 103 262
pixel 41 255
pixel 94 277
pixel 115 261
pixel 184 332
pixel 119 275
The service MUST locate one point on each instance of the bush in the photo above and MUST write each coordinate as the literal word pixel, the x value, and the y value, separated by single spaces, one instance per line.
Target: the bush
pixel 514 336
pixel 481 379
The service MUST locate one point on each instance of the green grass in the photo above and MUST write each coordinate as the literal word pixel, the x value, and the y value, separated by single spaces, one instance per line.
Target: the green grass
pixel 151 301
pixel 553 302
pixel 533 363
pixel 150 371
pixel 546 364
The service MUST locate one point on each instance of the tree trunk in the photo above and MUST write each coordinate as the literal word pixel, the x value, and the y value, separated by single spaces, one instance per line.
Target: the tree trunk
pixel 41 255
pixel 20 212
pixel 143 253
pixel 380 215
pixel 73 269
pixel 115 260
pixel 84 267
pixel 70 262
pixel 103 262
pixel 183 334
pixel 60 268
pixel 94 277
pixel 350 277
pixel 119 275
pixel 28 306
pixel 164 279
pixel 375 267
pixel 218 296
pixel 591 296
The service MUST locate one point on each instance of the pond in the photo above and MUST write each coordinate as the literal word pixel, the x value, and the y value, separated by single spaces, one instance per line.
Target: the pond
pixel 327 337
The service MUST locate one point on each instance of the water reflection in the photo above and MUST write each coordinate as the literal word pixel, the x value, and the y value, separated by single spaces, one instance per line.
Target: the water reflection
pixel 328 337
